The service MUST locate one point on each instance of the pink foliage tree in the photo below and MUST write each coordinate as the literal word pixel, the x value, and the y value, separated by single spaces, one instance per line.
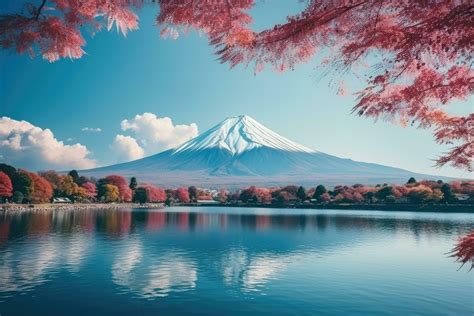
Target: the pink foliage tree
pixel 6 186
pixel 182 195
pixel 125 193
pixel 90 189
pixel 154 193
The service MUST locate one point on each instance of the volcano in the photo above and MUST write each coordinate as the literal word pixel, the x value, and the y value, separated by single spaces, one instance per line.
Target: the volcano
pixel 240 152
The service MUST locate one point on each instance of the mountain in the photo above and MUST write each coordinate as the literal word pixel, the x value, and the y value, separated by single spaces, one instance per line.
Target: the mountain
pixel 239 152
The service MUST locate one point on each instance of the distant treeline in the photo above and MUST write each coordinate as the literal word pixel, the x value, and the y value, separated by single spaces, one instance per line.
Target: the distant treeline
pixel 22 186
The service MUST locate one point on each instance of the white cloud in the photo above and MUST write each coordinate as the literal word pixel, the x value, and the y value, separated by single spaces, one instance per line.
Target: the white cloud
pixel 92 129
pixel 127 148
pixel 27 146
pixel 154 134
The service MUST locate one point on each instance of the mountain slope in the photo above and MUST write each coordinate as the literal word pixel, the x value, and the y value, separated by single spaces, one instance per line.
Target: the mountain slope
pixel 240 151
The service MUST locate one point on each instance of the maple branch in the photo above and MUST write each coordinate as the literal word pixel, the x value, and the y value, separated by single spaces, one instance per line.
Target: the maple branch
pixel 307 22
pixel 38 12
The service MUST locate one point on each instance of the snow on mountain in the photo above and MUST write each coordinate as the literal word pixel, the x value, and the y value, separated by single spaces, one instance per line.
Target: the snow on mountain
pixel 239 134
pixel 240 152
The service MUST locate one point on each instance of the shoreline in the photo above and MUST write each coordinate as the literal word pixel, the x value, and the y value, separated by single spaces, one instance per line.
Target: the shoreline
pixel 75 206
pixel 436 208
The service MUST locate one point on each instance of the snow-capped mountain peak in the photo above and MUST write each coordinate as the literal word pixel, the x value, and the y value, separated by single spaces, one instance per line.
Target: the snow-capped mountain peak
pixel 239 134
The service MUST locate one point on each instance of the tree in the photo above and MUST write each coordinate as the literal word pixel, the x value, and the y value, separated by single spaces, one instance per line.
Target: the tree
pixel 424 46
pixel 411 180
pixel 18 197
pixel 301 194
pixel 125 194
pixel 74 175
pixel 183 195
pixel 42 190
pixel 6 187
pixel 282 198
pixel 20 181
pixel 52 176
pixel 464 250
pixel 111 193
pixel 319 191
pixel 154 194
pixel 140 195
pixel 223 196
pixel 193 193
pixel 66 187
pixel 384 192
pixel 23 183
pixel 90 190
pixel 133 184
pixel 448 195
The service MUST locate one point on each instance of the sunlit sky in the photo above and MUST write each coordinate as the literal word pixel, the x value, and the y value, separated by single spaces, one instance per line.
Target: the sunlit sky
pixel 183 80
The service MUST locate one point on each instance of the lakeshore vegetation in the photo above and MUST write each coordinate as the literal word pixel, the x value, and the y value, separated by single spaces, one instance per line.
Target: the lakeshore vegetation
pixel 22 186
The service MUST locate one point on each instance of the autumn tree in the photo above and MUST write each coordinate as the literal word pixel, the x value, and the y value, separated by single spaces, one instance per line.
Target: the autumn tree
pixel 52 176
pixel 6 187
pixel 90 190
pixel 464 250
pixel 413 56
pixel 182 195
pixel 20 180
pixel 125 193
pixel 111 193
pixel 154 194
pixel 67 187
pixel 42 190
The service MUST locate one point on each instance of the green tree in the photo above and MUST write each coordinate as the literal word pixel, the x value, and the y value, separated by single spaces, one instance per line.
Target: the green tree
pixel 301 194
pixel 320 190
pixel 193 193
pixel 18 197
pixel 133 184
pixel 411 180
pixel 23 184
pixel 74 175
pixel 383 193
pixel 140 196
pixel 448 195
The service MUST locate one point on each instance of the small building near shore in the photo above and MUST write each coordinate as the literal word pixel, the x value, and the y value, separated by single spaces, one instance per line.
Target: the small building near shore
pixel 207 202
pixel 63 200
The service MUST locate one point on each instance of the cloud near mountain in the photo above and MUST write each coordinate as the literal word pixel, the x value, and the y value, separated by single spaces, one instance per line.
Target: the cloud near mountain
pixel 27 146
pixel 150 134
pixel 126 148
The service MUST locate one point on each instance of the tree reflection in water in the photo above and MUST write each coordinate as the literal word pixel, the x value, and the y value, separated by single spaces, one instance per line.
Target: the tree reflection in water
pixel 156 252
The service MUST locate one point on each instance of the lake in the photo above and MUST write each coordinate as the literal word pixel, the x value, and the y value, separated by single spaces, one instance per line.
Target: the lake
pixel 229 261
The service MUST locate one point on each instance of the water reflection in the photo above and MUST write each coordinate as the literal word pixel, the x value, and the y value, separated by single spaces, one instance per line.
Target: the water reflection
pixel 154 254
pixel 154 276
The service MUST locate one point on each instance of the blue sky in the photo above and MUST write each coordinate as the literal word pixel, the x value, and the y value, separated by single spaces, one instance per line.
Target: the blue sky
pixel 181 79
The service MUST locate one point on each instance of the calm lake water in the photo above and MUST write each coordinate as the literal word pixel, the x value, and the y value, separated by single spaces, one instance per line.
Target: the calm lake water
pixel 228 261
